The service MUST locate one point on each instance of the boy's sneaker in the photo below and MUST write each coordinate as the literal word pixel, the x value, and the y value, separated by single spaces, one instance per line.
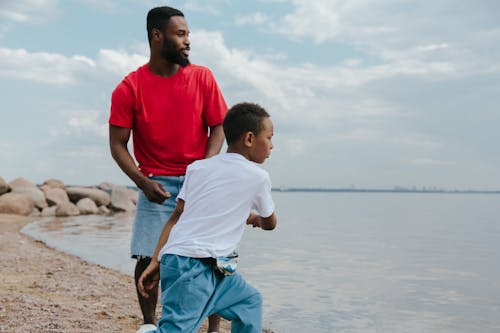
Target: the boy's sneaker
pixel 146 328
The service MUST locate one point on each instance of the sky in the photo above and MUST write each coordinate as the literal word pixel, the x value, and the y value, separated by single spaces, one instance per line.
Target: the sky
pixel 362 93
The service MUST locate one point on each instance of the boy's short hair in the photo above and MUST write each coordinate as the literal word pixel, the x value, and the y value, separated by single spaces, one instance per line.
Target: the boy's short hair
pixel 158 18
pixel 242 118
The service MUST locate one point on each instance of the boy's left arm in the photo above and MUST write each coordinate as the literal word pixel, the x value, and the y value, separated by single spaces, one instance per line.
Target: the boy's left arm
pixel 266 223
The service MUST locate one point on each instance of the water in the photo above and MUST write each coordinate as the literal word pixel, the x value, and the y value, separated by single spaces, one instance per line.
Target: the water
pixel 349 262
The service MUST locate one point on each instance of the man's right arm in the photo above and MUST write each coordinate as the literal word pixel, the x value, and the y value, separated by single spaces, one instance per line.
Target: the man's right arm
pixel 118 140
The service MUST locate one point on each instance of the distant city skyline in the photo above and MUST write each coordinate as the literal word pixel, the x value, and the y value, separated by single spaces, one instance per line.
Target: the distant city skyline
pixel 372 93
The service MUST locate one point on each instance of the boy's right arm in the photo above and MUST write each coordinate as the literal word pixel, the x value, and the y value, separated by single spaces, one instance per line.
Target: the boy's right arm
pixel 151 275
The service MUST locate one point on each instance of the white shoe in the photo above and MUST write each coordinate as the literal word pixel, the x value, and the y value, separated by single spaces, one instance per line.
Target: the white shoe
pixel 146 328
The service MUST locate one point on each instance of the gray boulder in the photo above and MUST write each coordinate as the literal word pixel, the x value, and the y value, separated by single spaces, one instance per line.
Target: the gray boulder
pixel 100 197
pixel 87 206
pixel 16 203
pixel 20 183
pixel 55 183
pixel 67 209
pixel 123 199
pixel 4 187
pixel 24 186
pixel 103 210
pixel 49 211
pixel 105 186
pixel 54 195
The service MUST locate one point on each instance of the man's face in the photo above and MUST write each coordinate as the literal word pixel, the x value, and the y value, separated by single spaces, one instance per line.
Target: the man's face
pixel 176 42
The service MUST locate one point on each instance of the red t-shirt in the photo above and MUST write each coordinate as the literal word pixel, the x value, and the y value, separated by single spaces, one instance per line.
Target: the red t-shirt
pixel 169 116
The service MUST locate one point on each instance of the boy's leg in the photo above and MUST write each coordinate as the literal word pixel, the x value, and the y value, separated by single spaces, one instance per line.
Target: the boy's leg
pixel 186 287
pixel 239 302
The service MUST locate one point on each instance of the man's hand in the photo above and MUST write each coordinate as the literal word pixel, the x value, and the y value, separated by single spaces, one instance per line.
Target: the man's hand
pixel 153 190
pixel 149 278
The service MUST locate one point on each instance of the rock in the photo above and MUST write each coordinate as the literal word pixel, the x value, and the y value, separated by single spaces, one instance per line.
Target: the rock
pixel 105 186
pixel 49 211
pixel 35 212
pixel 22 185
pixel 55 183
pixel 67 209
pixel 87 206
pixel 16 203
pixel 54 195
pixel 103 210
pixel 100 197
pixel 4 187
pixel 123 199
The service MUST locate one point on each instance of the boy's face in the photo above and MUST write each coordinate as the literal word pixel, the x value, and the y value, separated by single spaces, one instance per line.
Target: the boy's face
pixel 261 148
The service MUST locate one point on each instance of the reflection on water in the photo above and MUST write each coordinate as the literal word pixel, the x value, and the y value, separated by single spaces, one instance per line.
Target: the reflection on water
pixel 97 239
pixel 348 262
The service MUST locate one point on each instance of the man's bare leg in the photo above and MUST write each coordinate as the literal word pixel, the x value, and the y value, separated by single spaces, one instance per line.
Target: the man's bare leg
pixel 148 305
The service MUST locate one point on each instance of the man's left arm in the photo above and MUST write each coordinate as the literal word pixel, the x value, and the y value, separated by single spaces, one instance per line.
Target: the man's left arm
pixel 215 140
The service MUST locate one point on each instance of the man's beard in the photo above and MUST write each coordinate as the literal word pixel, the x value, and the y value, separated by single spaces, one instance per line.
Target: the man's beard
pixel 171 54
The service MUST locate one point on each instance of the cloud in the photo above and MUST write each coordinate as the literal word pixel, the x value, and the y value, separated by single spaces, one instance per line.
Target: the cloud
pixel 55 68
pixel 255 18
pixel 119 62
pixel 211 7
pixel 326 92
pixel 43 67
pixel 432 162
pixel 28 10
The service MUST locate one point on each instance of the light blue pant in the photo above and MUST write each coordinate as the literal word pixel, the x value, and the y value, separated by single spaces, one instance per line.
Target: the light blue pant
pixel 191 290
pixel 150 217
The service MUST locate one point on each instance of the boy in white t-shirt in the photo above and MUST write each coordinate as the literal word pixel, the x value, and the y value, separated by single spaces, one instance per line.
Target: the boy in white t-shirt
pixel 205 228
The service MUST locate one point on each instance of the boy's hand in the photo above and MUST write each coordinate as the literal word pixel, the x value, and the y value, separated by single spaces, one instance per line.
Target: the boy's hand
pixel 149 278
pixel 254 220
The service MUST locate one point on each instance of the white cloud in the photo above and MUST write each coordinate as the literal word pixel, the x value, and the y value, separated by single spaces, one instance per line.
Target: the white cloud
pixel 28 10
pixel 119 62
pixel 212 7
pixel 42 66
pixel 55 68
pixel 255 18
pixel 90 122
pixel 432 162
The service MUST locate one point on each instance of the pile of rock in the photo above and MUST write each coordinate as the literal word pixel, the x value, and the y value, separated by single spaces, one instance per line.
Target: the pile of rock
pixel 54 198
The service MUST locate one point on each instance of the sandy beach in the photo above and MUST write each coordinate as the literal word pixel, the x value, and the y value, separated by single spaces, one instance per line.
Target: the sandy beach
pixel 43 290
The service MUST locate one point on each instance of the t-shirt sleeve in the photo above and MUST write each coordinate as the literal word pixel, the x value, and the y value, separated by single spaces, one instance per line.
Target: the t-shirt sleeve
pixel 214 105
pixel 263 204
pixel 122 106
pixel 184 189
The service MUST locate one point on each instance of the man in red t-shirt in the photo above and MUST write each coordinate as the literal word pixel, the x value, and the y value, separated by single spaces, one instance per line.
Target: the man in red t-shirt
pixel 174 111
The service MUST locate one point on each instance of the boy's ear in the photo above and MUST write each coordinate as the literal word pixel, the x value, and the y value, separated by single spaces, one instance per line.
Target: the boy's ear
pixel 248 139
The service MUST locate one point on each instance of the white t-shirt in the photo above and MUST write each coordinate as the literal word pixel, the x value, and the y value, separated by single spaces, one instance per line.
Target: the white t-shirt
pixel 219 194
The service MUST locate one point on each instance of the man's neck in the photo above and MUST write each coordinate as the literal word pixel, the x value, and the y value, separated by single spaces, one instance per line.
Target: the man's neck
pixel 162 67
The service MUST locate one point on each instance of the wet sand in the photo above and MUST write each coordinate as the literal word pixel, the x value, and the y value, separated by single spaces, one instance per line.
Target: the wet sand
pixel 43 290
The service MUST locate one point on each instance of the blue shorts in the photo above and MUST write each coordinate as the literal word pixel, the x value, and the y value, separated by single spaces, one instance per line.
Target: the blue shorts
pixel 191 290
pixel 150 217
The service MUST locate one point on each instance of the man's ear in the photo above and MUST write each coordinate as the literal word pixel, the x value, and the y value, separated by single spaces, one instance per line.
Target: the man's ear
pixel 248 139
pixel 157 34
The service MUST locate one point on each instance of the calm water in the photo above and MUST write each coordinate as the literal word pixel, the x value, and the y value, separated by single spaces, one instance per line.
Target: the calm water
pixel 349 262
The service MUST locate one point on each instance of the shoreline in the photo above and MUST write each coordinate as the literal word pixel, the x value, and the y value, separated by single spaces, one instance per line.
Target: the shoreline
pixel 45 290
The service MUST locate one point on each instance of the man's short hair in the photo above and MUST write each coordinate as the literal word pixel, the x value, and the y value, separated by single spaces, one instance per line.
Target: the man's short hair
pixel 243 118
pixel 158 18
